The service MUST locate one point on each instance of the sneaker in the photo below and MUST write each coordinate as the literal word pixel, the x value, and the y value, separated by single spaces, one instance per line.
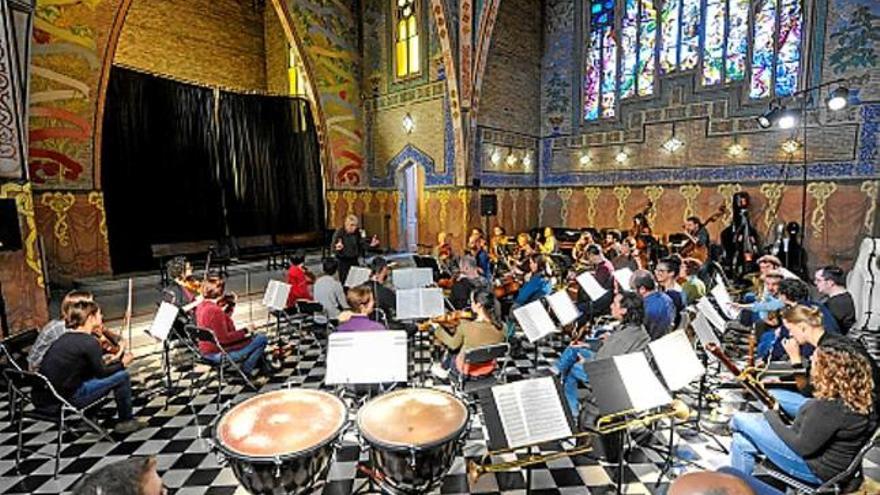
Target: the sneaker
pixel 439 372
pixel 130 426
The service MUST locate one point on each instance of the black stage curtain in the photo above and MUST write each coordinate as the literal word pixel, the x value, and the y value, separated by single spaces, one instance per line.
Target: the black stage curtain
pixel 269 165
pixel 158 173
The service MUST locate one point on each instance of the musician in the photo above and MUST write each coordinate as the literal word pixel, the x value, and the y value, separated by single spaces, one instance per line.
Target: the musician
pixel 640 225
pixel 740 239
pixel 693 287
pixel 769 301
pixel 350 243
pixel 610 246
pixel 482 256
pixel 55 328
pixel 75 366
pixel 549 246
pixel 603 272
pixel 384 297
pixel 630 336
pixel 476 234
pixel 300 283
pixel 361 300
pixel 697 231
pixel 828 431
pixel 578 252
pixel 538 284
pixel 328 290
pixel 133 476
pixel 498 243
pixel 666 274
pixel 522 253
pixel 443 249
pixel 626 255
pixel 482 331
pixel 659 308
pixel 242 345
pixel 467 280
pixel 831 283
pixel 184 288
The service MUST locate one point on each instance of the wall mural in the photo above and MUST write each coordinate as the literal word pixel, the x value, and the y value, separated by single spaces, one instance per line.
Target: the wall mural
pixel 852 45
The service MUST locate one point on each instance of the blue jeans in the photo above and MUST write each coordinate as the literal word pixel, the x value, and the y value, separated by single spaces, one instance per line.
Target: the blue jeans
pixel 752 435
pixel 94 389
pixel 570 372
pixel 789 400
pixel 251 353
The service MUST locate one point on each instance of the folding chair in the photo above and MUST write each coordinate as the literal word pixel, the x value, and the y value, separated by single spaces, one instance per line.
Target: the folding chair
pixel 14 353
pixel 59 411
pixel 845 481
pixel 200 334
pixel 468 385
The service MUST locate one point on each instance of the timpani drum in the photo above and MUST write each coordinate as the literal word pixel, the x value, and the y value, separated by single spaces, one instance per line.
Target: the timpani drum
pixel 413 435
pixel 282 441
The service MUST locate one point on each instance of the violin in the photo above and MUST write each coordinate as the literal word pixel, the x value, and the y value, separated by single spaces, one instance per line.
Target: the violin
pixel 507 286
pixel 110 343
pixel 448 320
pixel 227 302
pixel 192 285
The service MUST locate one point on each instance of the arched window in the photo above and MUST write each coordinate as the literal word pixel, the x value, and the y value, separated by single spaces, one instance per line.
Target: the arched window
pixel 406 39
pixel 630 43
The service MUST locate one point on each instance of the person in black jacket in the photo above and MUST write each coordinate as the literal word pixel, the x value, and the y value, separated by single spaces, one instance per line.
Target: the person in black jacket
pixel 828 431
pixel 76 369
pixel 350 243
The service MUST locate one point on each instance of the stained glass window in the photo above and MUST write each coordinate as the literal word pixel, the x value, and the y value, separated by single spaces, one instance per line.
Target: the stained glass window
pixel 710 37
pixel 406 39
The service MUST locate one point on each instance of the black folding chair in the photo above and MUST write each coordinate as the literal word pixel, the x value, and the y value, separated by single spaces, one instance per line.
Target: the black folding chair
pixel 200 334
pixel 13 354
pixel 468 385
pixel 58 410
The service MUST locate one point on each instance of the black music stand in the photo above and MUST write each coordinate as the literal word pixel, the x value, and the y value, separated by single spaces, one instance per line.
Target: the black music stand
pixel 705 335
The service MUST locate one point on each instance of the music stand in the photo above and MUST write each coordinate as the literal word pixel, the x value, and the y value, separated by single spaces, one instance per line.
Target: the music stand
pixel 705 335
pixel 419 304
pixel 535 322
pixel 524 414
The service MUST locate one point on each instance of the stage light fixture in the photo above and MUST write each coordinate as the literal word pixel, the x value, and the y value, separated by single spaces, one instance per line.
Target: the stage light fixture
pixel 770 117
pixel 791 146
pixel 585 159
pixel 673 144
pixel 838 99
pixel 735 150
pixel 511 159
pixel 621 157
pixel 788 119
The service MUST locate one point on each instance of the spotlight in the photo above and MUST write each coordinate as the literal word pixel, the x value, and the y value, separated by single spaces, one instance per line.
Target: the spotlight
pixel 770 117
pixel 838 99
pixel 621 157
pixel 788 119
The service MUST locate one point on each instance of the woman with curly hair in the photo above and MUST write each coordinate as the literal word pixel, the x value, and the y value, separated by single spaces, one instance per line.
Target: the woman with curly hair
pixel 829 429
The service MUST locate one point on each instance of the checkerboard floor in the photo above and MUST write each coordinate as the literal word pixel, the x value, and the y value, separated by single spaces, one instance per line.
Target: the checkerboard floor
pixel 179 436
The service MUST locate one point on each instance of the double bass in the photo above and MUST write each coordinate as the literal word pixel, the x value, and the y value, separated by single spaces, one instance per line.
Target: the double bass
pixel 641 232
pixel 693 249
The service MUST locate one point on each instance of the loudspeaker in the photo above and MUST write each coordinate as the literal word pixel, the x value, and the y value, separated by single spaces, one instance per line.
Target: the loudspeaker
pixel 10 231
pixel 476 183
pixel 488 205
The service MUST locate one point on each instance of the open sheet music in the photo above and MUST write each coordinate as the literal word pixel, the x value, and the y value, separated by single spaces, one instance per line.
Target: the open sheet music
pixel 623 276
pixel 704 306
pixel 531 411
pixel 357 275
pixel 163 321
pixel 276 294
pixel 534 320
pixel 366 357
pixel 591 286
pixel 704 331
pixel 626 382
pixel 562 306
pixel 722 297
pixel 412 278
pixel 676 360
pixel 413 304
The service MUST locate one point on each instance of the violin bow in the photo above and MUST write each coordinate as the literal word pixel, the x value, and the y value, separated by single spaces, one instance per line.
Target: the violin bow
pixel 126 320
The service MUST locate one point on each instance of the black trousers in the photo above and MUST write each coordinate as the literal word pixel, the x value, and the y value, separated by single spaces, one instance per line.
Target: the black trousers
pixel 345 264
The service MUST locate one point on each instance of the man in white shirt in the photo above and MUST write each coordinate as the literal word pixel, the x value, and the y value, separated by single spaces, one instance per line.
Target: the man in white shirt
pixel 328 290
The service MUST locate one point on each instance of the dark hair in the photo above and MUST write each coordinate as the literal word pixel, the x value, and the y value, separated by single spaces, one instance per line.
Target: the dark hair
pixel 642 279
pixel 330 265
pixel 691 265
pixel 123 477
pixel 79 312
pixel 694 219
pixel 594 250
pixel 634 306
pixel 672 263
pixel 377 265
pixel 541 262
pixel 297 258
pixel 72 298
pixel 794 289
pixel 835 274
pixel 175 267
pixel 358 297
pixel 214 286
pixel 485 298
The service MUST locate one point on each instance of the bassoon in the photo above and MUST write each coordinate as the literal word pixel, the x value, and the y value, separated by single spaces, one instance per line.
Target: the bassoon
pixel 747 379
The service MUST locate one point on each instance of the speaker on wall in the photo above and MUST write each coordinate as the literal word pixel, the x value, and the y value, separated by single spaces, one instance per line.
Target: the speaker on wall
pixel 476 183
pixel 10 232
pixel 488 205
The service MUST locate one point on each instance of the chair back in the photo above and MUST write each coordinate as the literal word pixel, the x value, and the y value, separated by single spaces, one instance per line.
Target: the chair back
pixel 15 348
pixel 486 353
pixel 846 476
pixel 33 387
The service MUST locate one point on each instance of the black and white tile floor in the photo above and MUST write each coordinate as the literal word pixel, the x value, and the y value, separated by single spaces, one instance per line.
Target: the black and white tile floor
pixel 177 437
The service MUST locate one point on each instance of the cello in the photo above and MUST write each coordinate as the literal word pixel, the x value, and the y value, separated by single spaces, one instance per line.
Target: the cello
pixel 691 248
pixel 641 232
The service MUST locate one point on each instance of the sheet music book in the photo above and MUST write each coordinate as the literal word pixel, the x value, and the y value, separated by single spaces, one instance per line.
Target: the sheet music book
pixel 413 304
pixel 366 357
pixel 534 320
pixel 275 297
pixel 786 273
pixel 706 309
pixel 591 286
pixel 722 297
pixel 163 321
pixel 357 275
pixel 412 278
pixel 563 307
pixel 530 411
pixel 676 360
pixel 704 331
pixel 623 276
pixel 625 382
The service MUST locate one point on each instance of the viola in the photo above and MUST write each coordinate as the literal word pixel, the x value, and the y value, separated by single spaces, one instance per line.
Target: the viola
pixel 507 286
pixel 449 320
pixel 109 342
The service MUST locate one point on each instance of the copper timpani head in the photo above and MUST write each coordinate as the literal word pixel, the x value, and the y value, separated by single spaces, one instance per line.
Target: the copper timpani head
pixel 414 416
pixel 281 422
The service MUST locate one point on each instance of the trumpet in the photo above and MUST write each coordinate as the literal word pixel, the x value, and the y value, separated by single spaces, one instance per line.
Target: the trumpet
pixel 610 423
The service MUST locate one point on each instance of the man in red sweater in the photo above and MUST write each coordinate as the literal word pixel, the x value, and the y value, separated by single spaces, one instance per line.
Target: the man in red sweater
pixel 239 344
pixel 300 285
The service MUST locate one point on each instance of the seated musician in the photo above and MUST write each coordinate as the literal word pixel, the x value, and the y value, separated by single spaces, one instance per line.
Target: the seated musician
pixel 659 308
pixel 697 231
pixel 604 275
pixel 482 256
pixel 498 243
pixel 467 280
pixel 578 252
pixel 807 330
pixel 241 345
pixel 300 298
pixel 184 288
pixel 626 255
pixel 693 287
pixel 522 253
pixel 328 290
pixel 828 430
pixel 772 332
pixel 76 367
pixel 549 246
pixel 610 246
pixel 132 476
pixel 831 283
pixel 384 297
pixel 443 250
pixel 482 331
pixel 55 328
pixel 361 300
pixel 629 336
pixel 766 264
pixel 538 284
pixel 666 273
pixel 768 301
